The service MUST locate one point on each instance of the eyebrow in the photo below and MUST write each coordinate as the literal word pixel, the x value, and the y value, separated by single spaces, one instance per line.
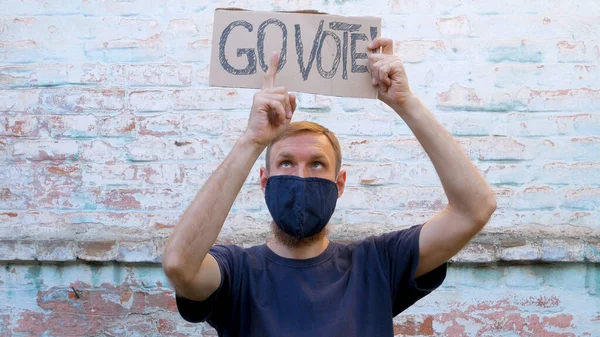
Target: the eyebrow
pixel 289 155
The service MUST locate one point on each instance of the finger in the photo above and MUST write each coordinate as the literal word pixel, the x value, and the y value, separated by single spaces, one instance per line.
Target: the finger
pixel 269 79
pixel 384 73
pixel 385 43
pixel 283 98
pixel 375 73
pixel 293 103
pixel 283 91
pixel 276 112
pixel 377 57
pixel 374 62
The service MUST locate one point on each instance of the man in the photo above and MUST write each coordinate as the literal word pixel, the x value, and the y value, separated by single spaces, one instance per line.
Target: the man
pixel 300 283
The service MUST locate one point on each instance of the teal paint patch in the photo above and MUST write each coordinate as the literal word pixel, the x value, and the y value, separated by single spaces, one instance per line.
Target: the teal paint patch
pixel 592 280
pixel 34 275
pixel 89 207
pixel 519 54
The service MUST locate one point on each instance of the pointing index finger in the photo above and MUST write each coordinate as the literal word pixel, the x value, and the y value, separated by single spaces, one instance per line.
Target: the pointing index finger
pixel 269 80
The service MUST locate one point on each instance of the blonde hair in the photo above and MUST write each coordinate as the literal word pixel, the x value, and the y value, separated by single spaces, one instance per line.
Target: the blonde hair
pixel 311 127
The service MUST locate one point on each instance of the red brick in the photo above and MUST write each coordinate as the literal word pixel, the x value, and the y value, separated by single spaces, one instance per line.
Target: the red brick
pixel 97 250
pixel 20 126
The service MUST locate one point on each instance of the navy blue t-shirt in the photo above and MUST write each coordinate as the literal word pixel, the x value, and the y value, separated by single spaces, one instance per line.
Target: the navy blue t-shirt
pixel 348 290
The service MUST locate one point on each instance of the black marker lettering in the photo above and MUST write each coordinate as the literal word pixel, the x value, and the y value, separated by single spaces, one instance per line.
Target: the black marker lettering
pixel 355 56
pixel 346 27
pixel 300 50
pixel 373 33
pixel 250 54
pixel 336 60
pixel 261 44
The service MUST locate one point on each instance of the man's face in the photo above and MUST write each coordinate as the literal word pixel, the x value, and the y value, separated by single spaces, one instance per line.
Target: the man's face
pixel 304 155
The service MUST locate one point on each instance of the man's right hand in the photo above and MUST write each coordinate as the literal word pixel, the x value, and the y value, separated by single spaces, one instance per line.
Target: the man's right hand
pixel 272 109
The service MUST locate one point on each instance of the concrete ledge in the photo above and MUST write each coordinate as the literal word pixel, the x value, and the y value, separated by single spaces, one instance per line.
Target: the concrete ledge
pixel 485 248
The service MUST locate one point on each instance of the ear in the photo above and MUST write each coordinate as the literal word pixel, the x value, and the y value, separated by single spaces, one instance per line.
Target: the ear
pixel 264 176
pixel 340 181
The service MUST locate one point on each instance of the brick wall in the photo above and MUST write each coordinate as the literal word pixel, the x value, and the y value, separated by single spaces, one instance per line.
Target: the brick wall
pixel 108 129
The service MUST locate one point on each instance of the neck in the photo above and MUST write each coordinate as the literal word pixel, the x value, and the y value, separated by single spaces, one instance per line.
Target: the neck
pixel 306 251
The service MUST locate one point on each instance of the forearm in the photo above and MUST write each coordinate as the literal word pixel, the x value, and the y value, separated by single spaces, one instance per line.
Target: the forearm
pixel 198 228
pixel 468 193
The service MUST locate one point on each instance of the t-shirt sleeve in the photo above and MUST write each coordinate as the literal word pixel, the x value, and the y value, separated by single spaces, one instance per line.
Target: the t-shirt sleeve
pixel 399 254
pixel 216 309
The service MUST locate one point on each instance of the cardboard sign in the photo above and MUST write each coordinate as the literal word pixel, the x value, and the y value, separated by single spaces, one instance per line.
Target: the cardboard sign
pixel 319 53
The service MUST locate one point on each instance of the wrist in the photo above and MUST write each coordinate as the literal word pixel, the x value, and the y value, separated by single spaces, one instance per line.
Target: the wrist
pixel 248 144
pixel 408 106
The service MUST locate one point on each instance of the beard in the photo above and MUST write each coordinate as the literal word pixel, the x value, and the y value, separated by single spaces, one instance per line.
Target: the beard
pixel 293 242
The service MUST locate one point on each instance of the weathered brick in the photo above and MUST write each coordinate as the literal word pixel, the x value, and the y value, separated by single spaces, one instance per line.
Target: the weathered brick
pixel 151 100
pixel 207 123
pixel 42 150
pixel 584 198
pixel 56 250
pixel 520 124
pixel 59 186
pixel 34 75
pixel 573 51
pixel 17 100
pixel 118 50
pixel 562 250
pixel 150 149
pixel 477 253
pixel 122 125
pixel 72 126
pixel 138 198
pixel 536 197
pixel 212 99
pixel 133 174
pixel 391 149
pixel 136 251
pixel 507 174
pixel 153 74
pixel 91 73
pixel 559 100
pixel 82 100
pixel 454 26
pixel 415 51
pixel 97 250
pixel 101 151
pixel 523 277
pixel 514 82
pixel 161 125
pixel 367 124
pixel 525 252
pixel 23 250
pixel 20 126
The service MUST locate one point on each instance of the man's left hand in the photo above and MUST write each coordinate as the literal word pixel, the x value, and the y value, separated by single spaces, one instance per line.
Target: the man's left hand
pixel 387 73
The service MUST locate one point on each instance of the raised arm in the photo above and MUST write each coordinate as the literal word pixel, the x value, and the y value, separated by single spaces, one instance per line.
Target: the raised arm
pixel 471 202
pixel 193 272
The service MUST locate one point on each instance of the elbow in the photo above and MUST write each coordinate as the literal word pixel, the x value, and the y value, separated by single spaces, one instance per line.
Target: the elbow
pixel 174 269
pixel 485 210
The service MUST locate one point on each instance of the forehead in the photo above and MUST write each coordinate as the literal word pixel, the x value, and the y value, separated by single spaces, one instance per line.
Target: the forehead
pixel 304 144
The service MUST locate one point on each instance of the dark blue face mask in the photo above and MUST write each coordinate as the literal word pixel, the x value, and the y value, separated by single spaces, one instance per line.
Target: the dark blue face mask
pixel 301 207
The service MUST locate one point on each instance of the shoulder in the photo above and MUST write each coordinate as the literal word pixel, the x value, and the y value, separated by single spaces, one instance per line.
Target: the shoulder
pixel 403 238
pixel 234 254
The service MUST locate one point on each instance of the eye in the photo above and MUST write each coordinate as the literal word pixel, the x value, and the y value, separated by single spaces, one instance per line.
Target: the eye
pixel 285 164
pixel 318 165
